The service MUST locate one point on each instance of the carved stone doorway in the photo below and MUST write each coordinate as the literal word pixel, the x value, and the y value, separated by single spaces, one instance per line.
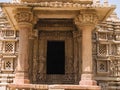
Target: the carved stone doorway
pixel 55 57
pixel 65 36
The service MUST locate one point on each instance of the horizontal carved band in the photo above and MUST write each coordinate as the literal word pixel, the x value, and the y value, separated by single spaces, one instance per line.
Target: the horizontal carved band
pixel 38 1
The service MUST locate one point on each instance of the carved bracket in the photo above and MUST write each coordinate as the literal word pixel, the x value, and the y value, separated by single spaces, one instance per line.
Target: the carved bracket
pixel 23 15
pixel 86 17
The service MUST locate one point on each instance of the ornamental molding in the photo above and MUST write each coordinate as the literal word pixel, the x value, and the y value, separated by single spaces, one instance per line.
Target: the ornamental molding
pixel 38 1
pixel 23 15
pixel 86 17
pixel 59 4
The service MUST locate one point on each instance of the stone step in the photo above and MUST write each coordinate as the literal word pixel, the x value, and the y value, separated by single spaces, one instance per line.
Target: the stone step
pixel 114 88
pixel 114 83
pixel 56 89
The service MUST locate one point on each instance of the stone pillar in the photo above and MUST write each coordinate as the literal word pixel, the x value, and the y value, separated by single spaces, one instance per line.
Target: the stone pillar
pixel 23 17
pixel 86 22
pixel 87 62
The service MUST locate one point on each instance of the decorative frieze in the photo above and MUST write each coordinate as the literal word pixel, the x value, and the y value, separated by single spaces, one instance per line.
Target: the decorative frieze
pixel 103 85
pixel 63 3
pixel 57 35
pixel 115 68
pixel 55 25
pixel 33 1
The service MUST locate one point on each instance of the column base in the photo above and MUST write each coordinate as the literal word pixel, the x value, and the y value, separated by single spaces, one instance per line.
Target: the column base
pixel 21 81
pixel 87 79
pixel 88 82
pixel 21 77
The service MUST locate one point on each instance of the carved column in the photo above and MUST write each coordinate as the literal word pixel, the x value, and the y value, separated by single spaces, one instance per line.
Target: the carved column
pixel 86 22
pixel 24 18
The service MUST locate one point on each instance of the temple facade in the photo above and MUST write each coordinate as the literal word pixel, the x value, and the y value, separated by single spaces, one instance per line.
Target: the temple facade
pixel 59 45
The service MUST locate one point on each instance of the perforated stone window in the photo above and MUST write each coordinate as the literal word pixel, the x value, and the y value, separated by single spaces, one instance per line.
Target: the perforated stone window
pixel 7 64
pixel 9 47
pixel 102 66
pixel 102 50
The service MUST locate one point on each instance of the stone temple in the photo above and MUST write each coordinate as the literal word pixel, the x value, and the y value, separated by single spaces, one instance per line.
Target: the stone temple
pixel 59 45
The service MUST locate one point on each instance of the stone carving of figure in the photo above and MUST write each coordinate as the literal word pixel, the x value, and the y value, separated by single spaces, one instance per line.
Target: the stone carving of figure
pixel 117 37
pixel 118 50
pixel 34 69
pixel 42 66
pixel 41 69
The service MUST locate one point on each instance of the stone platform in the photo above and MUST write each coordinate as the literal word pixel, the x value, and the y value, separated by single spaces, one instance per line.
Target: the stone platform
pixel 50 87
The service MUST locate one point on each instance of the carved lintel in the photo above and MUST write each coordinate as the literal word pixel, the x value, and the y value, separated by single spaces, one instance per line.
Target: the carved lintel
pixel 23 15
pixel 86 17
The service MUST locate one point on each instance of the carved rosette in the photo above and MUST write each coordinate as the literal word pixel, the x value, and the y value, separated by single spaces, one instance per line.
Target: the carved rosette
pixel 86 17
pixel 23 15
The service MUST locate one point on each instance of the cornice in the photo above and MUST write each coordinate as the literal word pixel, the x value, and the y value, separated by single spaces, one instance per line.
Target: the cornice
pixel 56 4
pixel 74 1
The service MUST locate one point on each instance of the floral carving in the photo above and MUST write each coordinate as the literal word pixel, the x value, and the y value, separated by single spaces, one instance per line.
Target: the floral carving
pixel 23 17
pixel 86 17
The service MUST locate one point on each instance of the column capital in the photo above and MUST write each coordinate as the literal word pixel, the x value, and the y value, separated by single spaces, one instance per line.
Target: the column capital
pixel 23 15
pixel 86 18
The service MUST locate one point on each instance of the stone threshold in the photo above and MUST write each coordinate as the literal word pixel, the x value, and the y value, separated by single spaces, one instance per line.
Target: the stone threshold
pixel 52 87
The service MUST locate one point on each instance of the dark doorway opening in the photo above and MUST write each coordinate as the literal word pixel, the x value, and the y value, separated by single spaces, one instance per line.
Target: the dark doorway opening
pixel 55 57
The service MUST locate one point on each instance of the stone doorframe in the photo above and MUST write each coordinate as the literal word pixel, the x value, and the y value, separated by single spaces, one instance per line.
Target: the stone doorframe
pixel 72 61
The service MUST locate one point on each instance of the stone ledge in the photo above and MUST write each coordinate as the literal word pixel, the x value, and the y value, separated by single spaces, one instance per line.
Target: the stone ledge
pixel 74 87
pixel 53 87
